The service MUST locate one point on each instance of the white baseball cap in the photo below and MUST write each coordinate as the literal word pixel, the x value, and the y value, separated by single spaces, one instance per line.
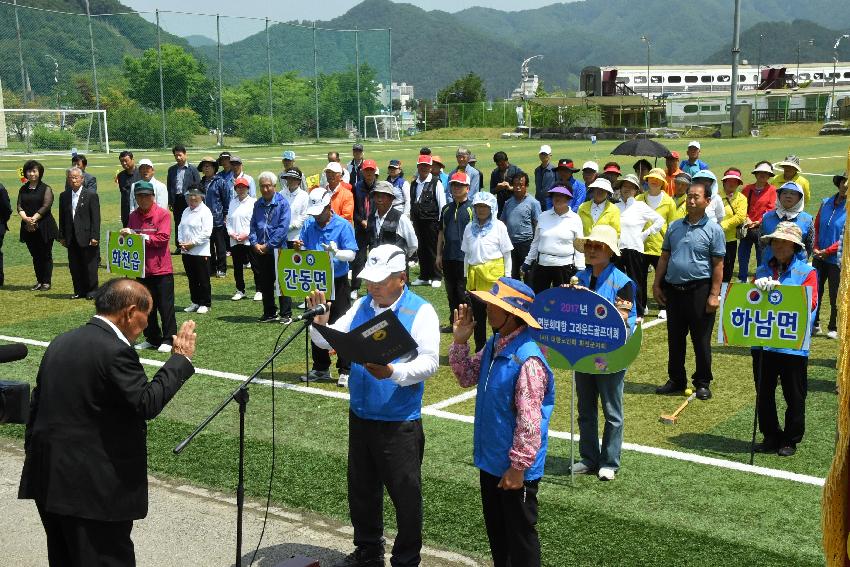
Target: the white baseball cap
pixel 591 165
pixel 334 166
pixel 145 161
pixel 545 149
pixel 319 199
pixel 695 144
pixel 601 183
pixel 383 261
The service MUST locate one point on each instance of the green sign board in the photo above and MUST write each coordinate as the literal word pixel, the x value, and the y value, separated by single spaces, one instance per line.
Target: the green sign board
pixel 300 272
pixel 780 318
pixel 126 254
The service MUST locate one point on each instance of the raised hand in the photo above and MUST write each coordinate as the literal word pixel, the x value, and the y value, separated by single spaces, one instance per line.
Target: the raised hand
pixel 464 324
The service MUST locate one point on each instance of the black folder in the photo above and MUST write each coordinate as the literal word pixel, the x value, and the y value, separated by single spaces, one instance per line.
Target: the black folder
pixel 380 340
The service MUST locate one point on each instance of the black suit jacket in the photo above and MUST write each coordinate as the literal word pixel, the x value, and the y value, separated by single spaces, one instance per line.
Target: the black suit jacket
pixel 191 176
pixel 5 209
pixel 86 446
pixel 85 224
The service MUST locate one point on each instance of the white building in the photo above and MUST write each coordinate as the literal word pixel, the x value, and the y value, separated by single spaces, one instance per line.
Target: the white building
pixel 400 92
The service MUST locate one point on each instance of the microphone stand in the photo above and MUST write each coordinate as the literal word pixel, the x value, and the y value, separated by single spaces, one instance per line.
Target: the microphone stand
pixel 240 396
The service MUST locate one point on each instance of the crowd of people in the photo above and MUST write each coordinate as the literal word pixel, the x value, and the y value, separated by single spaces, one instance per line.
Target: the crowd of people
pixel 495 248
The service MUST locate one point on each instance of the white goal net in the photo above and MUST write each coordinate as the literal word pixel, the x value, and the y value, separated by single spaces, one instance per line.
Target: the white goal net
pixel 381 127
pixel 36 130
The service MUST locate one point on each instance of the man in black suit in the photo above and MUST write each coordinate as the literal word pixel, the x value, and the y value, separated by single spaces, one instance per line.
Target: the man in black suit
pixel 181 176
pixel 85 441
pixel 5 214
pixel 79 232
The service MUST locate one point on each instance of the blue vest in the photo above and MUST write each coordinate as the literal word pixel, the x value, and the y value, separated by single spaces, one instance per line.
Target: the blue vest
pixel 831 225
pixel 495 412
pixel 609 282
pixel 384 400
pixel 769 222
pixel 795 274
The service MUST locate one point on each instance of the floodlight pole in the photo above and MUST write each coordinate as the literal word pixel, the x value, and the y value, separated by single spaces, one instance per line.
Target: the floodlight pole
pixel 357 72
pixel 94 78
pixel 161 89
pixel 316 78
pixel 269 65
pixel 834 73
pixel 645 39
pixel 736 51
pixel 220 140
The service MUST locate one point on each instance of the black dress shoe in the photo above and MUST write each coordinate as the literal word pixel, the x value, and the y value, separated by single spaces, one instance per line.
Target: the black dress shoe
pixel 36 287
pixel 703 394
pixel 767 446
pixel 787 451
pixel 670 387
pixel 363 557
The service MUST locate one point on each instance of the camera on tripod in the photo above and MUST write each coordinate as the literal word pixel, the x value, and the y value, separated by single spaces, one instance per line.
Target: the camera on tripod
pixel 14 396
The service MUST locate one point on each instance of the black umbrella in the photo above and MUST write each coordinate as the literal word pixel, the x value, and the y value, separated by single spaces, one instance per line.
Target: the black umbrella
pixel 641 147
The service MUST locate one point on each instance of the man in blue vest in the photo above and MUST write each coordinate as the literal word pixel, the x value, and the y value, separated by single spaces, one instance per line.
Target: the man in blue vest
pixel 385 437
pixel 516 396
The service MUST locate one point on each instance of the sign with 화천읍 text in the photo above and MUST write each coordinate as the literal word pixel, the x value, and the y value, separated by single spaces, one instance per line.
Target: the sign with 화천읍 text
pixel 778 319
pixel 126 254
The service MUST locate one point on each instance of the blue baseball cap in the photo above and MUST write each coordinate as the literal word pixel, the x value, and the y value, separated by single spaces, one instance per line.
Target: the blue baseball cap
pixel 289 154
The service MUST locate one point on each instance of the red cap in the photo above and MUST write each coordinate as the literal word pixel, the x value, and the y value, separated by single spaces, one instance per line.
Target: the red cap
pixel 612 169
pixel 459 177
pixel 428 160
pixel 369 164
pixel 242 181
pixel 568 164
pixel 674 155
pixel 732 174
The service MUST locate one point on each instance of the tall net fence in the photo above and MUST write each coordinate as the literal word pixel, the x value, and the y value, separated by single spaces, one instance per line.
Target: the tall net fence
pixel 170 77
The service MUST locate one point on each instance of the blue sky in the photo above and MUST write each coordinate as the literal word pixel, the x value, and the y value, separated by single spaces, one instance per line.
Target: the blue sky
pixel 291 10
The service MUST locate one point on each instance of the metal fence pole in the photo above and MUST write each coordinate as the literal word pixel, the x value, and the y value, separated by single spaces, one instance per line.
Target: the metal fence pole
pixel 390 70
pixel 357 72
pixel 20 54
pixel 161 89
pixel 269 63
pixel 316 78
pixel 220 137
pixel 94 78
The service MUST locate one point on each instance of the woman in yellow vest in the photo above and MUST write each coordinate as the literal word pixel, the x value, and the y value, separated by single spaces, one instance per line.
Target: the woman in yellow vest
pixel 658 200
pixel 682 181
pixel 735 208
pixel 597 209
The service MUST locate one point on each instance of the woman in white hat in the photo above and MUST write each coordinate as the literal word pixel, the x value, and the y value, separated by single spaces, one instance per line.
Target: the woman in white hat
pixel 638 222
pixel 829 228
pixel 598 209
pixel 788 366
pixel 487 249
pixel 657 198
pixel 601 276
pixel 734 215
pixel 789 207
pixel 761 199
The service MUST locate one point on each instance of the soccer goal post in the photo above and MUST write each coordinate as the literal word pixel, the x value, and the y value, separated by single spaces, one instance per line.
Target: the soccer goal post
pixel 34 130
pixel 381 127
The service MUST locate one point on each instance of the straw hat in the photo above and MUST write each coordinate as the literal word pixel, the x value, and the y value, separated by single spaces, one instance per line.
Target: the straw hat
pixel 785 230
pixel 511 296
pixel 657 173
pixel 600 233
pixel 630 178
pixel 790 161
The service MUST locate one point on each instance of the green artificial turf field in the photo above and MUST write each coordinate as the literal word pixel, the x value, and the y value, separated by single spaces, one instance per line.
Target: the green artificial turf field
pixel 660 509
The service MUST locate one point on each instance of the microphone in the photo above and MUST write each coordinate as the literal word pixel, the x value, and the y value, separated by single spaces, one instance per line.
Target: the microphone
pixel 310 313
pixel 12 352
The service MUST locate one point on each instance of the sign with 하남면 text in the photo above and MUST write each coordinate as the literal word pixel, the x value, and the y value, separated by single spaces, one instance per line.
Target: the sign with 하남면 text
pixel 583 331
pixel 300 272
pixel 751 317
pixel 126 254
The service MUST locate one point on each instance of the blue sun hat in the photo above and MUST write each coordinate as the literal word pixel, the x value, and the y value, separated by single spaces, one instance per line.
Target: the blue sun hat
pixel 511 296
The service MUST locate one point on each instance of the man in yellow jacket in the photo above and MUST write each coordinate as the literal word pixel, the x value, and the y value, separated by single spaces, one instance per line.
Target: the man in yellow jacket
pixel 791 171
pixel 597 209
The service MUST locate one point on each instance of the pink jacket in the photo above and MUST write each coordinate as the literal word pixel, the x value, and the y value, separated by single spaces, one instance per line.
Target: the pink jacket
pixel 156 226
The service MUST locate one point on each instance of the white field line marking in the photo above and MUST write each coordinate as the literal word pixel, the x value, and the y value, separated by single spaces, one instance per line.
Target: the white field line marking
pixel 440 413
pixel 651 324
pixel 453 400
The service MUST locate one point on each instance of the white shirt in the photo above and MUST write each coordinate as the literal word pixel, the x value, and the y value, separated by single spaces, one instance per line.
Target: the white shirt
pixel 252 187
pixel 404 230
pixel 196 226
pixel 75 198
pixel 596 210
pixel 160 194
pixel 425 330
pixel 715 210
pixel 298 201
pixel 440 191
pixel 554 239
pixel 238 219
pixel 401 202
pixel 480 249
pixel 634 215
pixel 114 328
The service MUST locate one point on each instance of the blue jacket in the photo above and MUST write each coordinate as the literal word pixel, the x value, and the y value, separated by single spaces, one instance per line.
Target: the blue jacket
pixel 337 230
pixel 384 400
pixel 544 179
pixel 495 412
pixel 830 228
pixel 270 222
pixel 217 199
pixel 609 282
pixel 795 274
pixel 804 220
pixel 579 190
pixel 453 221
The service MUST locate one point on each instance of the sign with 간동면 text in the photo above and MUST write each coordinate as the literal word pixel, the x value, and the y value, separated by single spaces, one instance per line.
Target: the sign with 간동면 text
pixel 126 254
pixel 778 319
pixel 583 331
pixel 300 272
